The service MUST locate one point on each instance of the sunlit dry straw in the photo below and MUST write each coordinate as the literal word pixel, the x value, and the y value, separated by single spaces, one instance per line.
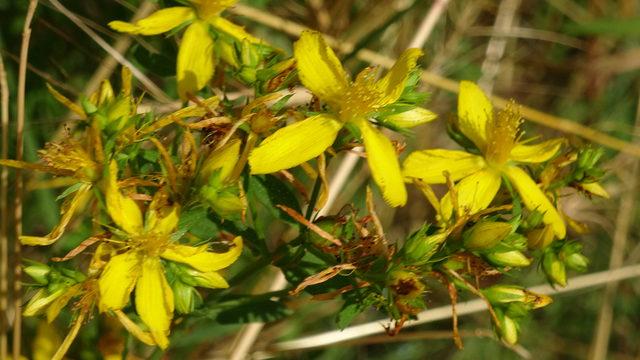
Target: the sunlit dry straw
pixel 444 312
pixel 4 214
pixel 154 90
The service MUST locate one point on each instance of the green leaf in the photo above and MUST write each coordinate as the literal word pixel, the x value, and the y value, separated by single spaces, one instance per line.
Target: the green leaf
pixel 70 190
pixel 606 27
pixel 253 310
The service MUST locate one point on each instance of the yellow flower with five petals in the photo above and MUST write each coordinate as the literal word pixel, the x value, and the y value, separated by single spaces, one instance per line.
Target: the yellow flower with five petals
pixel 196 57
pixel 479 177
pixel 140 265
pixel 351 102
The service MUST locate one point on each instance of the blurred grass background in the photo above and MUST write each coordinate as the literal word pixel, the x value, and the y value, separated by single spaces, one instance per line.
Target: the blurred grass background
pixel 575 59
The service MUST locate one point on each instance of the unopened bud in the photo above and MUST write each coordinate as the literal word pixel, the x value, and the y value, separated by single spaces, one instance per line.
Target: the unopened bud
pixel 508 329
pixel 514 258
pixel 227 53
pixel 554 268
pixel 186 298
pixel 418 250
pixel 540 238
pixel 329 224
pixel 485 235
pixel 38 272
pixel 504 294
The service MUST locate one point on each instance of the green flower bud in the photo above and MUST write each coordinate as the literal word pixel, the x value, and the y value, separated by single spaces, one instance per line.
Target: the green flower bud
pixel 508 329
pixel 249 54
pixel 41 300
pixel 247 74
pixel 514 258
pixel 185 297
pixel 38 272
pixel 486 234
pixel 577 262
pixel 534 219
pixel 504 294
pixel 419 248
pixel 331 225
pixel 554 268
pixel 540 238
pixel 225 201
pixel 227 53
pixel 88 107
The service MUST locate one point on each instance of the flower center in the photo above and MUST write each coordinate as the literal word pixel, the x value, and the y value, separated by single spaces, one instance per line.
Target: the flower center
pixel 502 134
pixel 151 244
pixel 361 97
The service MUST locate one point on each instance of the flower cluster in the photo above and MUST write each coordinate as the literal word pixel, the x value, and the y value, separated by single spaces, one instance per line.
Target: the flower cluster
pixel 173 198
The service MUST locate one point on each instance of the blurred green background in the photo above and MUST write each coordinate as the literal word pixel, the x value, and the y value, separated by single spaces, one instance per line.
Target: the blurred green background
pixel 575 59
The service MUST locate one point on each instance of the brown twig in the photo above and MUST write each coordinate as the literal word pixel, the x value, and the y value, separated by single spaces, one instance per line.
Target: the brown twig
pixel 17 250
pixel 479 294
pixel 313 227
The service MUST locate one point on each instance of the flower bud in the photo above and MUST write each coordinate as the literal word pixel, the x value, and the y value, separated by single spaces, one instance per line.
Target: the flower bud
pixel 540 238
pixel 38 272
pixel 227 53
pixel 594 188
pixel 186 298
pixel 486 234
pixel 554 268
pixel 577 262
pixel 41 300
pixel 508 329
pixel 418 250
pixel 411 118
pixel 514 258
pixel 329 224
pixel 505 294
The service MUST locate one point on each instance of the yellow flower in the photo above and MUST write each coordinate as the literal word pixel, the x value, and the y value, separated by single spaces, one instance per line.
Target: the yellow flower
pixel 351 102
pixel 140 266
pixel 480 176
pixel 196 59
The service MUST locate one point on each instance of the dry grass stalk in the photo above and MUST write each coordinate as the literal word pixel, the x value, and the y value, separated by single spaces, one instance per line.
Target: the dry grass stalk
pixel 17 250
pixel 4 213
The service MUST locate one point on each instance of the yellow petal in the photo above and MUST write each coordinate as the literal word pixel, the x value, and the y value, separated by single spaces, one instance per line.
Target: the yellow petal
pixel 319 68
pixel 154 300
pixel 430 165
pixel 202 260
pixel 474 112
pixel 162 221
pixel 157 23
pixel 475 192
pixel 232 29
pixel 536 153
pixel 294 144
pixel 392 84
pixel 117 280
pixel 69 208
pixel 414 117
pixel 534 199
pixel 383 163
pixel 122 209
pixel 223 159
pixel 195 59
